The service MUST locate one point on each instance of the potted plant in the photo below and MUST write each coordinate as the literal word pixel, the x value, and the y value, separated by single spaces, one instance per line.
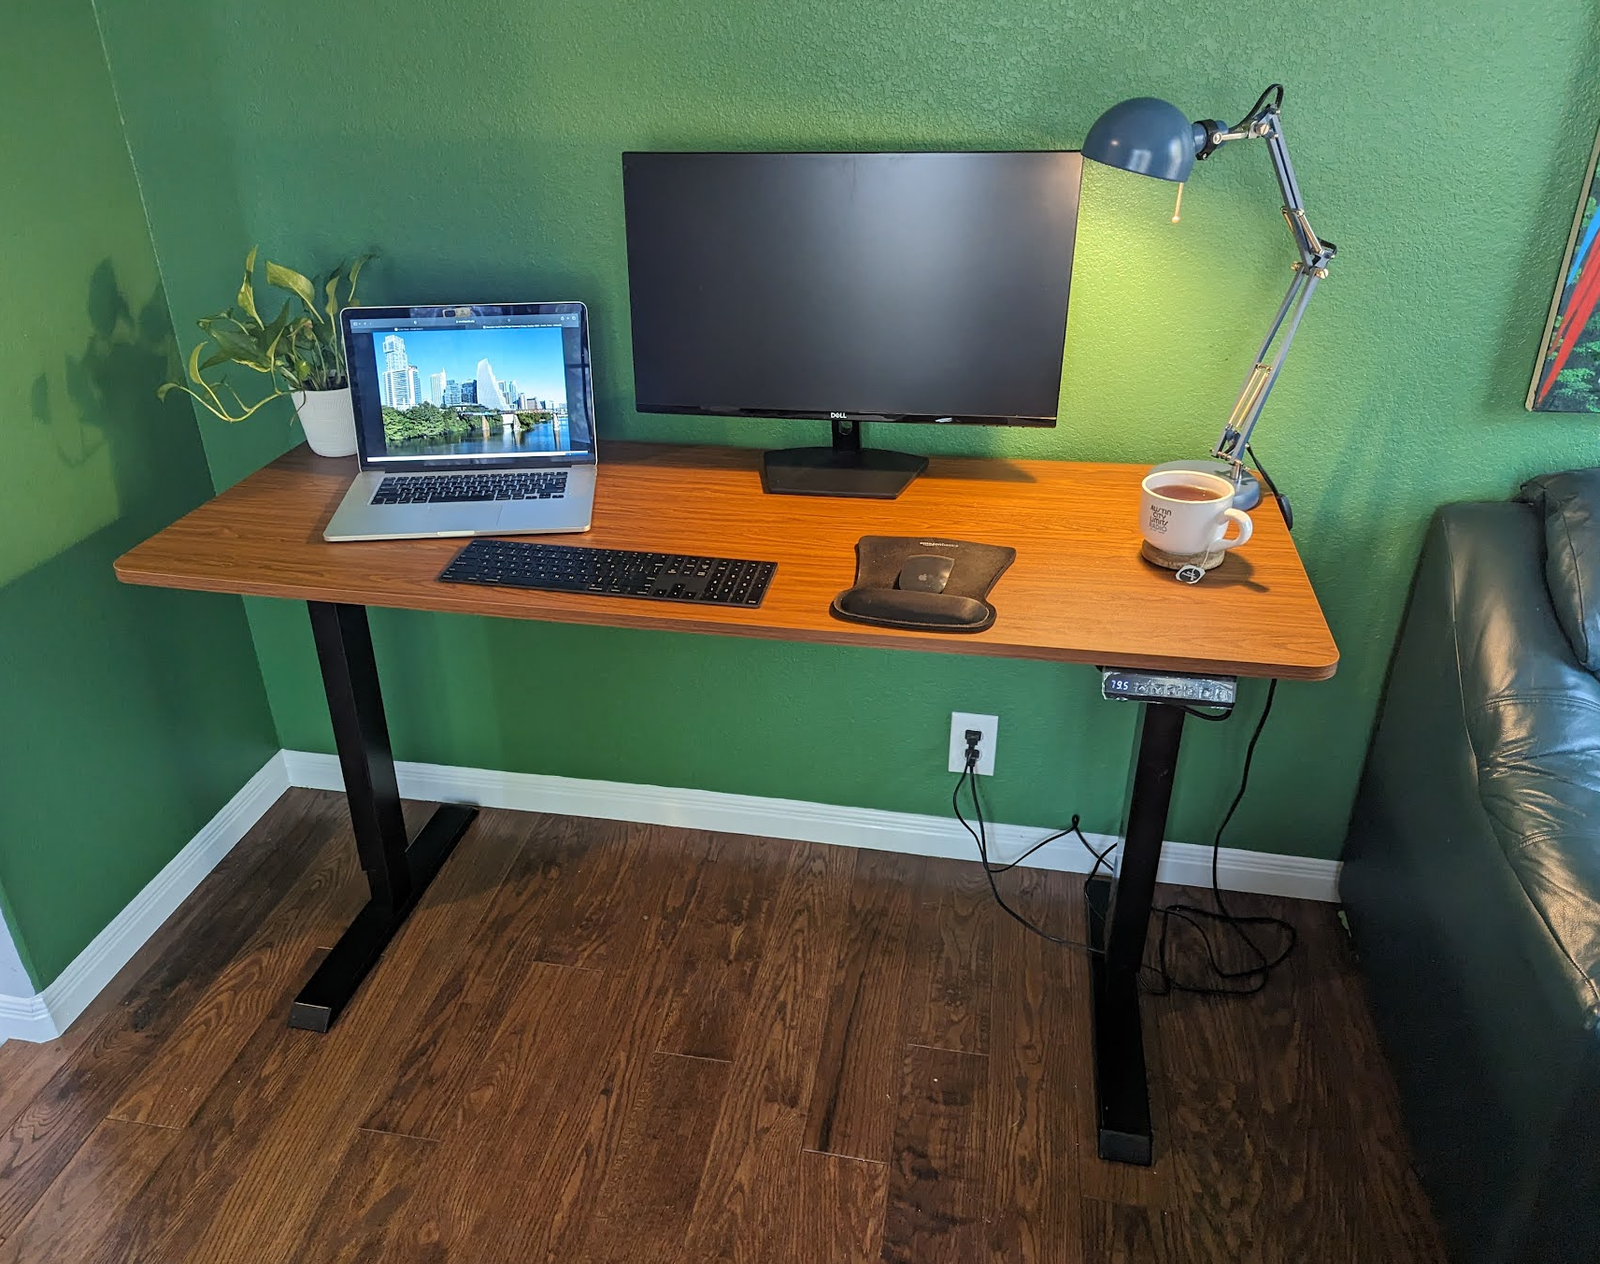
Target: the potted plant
pixel 299 353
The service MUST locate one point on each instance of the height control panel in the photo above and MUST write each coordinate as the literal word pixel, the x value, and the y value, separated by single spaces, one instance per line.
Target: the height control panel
pixel 1128 685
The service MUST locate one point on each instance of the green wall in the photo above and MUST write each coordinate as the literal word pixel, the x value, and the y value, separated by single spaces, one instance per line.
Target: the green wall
pixel 476 145
pixel 130 715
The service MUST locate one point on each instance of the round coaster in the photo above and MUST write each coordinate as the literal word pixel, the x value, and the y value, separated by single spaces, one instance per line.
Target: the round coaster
pixel 1178 561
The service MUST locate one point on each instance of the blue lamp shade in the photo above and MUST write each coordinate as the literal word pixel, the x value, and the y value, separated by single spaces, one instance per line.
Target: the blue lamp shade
pixel 1145 135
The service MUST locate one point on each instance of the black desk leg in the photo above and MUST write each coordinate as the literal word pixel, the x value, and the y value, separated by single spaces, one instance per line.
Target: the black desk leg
pixel 1119 918
pixel 397 874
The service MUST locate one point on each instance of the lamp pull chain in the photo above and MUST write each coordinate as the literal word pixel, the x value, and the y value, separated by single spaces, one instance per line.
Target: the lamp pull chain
pixel 1177 210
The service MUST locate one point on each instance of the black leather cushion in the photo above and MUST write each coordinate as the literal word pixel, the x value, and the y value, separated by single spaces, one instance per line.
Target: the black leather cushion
pixel 1472 882
pixel 1533 722
pixel 1570 506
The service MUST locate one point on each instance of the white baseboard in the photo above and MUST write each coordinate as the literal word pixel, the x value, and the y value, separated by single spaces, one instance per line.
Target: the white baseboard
pixel 49 1013
pixel 26 1018
pixel 1184 863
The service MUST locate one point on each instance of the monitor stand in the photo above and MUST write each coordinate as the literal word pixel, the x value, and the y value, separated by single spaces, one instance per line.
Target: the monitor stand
pixel 845 469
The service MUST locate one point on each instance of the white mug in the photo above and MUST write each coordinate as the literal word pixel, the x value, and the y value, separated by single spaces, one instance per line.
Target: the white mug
pixel 1187 512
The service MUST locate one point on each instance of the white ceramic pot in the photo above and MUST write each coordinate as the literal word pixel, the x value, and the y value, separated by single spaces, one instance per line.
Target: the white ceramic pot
pixel 328 420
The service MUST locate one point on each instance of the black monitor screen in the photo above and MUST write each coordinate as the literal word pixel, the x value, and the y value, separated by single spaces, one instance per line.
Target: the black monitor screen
pixel 905 287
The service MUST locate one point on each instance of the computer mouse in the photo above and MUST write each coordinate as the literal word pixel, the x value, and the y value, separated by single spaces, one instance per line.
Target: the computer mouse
pixel 925 572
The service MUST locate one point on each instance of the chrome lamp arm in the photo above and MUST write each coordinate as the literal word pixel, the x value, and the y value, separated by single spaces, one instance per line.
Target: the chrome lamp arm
pixel 1152 137
pixel 1265 122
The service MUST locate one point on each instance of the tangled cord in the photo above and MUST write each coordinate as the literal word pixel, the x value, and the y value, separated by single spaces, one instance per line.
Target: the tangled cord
pixel 1249 979
pixel 981 837
pixel 1242 981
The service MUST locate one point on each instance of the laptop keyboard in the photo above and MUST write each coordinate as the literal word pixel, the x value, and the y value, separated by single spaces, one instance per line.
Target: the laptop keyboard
pixel 433 489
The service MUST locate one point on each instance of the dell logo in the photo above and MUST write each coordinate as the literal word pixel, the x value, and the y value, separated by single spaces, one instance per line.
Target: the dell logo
pixel 836 416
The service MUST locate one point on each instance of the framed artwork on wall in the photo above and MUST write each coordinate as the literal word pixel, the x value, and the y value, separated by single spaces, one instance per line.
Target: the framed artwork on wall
pixel 1567 377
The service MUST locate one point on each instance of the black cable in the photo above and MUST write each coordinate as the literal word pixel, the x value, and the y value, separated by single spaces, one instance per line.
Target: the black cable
pixel 1252 978
pixel 1250 451
pixel 1273 90
pixel 980 836
pixel 982 839
pixel 1283 501
pixel 1072 828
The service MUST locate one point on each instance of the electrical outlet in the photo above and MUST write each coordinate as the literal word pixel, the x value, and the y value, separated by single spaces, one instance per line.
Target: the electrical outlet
pixel 988 725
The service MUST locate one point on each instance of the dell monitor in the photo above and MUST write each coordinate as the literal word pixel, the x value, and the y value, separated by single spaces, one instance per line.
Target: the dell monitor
pixel 850 287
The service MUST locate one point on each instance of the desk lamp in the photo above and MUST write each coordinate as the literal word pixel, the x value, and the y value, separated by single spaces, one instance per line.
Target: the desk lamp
pixel 1151 137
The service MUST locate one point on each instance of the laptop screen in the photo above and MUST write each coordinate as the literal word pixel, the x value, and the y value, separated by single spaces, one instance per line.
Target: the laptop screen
pixel 502 384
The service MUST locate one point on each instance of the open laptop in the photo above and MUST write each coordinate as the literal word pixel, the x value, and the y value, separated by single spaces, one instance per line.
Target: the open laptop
pixel 470 420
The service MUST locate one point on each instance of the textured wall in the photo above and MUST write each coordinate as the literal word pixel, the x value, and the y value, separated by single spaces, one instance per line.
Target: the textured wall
pixel 477 146
pixel 130 716
pixel 14 977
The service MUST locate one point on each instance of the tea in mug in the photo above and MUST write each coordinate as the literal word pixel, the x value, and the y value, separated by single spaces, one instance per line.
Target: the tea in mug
pixel 1188 491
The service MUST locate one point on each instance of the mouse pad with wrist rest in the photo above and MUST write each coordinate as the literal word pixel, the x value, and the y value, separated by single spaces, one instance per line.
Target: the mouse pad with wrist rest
pixel 887 564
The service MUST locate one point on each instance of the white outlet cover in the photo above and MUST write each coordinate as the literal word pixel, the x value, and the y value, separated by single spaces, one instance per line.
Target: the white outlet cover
pixel 988 725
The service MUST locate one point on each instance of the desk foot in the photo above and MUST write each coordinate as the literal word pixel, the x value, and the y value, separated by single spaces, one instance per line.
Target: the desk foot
pixel 335 981
pixel 1122 1095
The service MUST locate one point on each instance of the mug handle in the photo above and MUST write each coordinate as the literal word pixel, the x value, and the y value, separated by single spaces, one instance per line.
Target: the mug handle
pixel 1242 520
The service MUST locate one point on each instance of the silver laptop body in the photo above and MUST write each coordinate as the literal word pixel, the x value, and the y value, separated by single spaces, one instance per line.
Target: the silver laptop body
pixel 470 420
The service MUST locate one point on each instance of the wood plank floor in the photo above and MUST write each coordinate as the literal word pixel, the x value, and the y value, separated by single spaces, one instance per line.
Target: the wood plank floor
pixel 599 1042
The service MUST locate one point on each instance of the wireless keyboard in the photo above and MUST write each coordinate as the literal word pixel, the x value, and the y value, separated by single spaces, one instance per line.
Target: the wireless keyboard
pixel 721 581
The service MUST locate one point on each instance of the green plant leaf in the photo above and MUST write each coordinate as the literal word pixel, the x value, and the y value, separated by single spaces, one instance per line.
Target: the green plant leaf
pixel 298 350
pixel 247 288
pixel 288 279
pixel 355 272
pixel 194 362
pixel 271 333
pixel 227 320
pixel 240 349
pixel 210 400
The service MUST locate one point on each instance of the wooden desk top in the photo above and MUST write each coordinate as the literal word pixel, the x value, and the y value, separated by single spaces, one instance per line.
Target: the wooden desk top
pixel 1078 591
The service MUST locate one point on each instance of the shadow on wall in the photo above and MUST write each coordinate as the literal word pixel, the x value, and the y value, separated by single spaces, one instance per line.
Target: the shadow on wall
pixel 125 462
pixel 126 708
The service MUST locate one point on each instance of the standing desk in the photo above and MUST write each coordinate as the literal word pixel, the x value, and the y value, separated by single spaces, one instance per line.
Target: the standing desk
pixel 1077 593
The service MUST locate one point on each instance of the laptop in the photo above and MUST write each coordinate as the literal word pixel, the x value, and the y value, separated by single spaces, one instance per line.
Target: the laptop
pixel 470 420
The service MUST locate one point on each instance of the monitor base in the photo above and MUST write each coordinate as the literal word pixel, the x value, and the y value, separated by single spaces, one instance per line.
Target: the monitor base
pixel 871 473
pixel 845 469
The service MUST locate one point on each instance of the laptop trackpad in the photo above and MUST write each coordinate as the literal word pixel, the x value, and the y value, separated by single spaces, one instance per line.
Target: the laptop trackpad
pixel 521 514
pixel 457 518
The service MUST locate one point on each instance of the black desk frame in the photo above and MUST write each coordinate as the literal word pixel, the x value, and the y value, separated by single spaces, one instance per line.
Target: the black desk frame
pixel 1119 924
pixel 397 873
pixel 1119 921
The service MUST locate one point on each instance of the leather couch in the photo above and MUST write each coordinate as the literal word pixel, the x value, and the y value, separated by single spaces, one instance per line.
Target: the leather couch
pixel 1471 879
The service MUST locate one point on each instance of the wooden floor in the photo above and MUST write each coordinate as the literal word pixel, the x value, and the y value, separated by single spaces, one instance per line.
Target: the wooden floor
pixel 601 1042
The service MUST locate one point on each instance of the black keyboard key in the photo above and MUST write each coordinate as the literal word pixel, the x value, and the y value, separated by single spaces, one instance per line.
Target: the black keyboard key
pixel 410 489
pixel 612 572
